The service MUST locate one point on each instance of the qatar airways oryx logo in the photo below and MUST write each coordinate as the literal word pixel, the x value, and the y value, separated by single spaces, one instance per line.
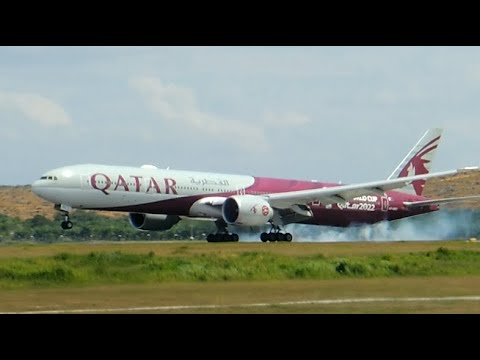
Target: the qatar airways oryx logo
pixel 419 164
pixel 265 209
pixel 132 183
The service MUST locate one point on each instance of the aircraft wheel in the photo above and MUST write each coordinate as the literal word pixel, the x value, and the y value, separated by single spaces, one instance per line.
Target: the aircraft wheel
pixel 66 225
pixel 264 237
pixel 234 237
pixel 288 237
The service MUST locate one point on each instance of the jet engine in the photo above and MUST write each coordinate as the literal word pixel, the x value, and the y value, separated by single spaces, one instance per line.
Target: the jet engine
pixel 152 221
pixel 246 210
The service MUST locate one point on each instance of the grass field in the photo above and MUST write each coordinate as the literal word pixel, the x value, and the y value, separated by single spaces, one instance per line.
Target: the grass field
pixel 189 248
pixel 240 277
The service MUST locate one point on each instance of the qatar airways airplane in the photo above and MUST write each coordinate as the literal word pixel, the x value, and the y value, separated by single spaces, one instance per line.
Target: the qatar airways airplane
pixel 157 199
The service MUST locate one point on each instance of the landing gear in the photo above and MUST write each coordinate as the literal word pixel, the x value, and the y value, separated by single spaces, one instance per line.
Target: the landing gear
pixel 222 235
pixel 276 235
pixel 66 224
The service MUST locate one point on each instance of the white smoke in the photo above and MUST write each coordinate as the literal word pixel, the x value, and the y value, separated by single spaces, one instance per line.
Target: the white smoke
pixel 248 235
pixel 440 225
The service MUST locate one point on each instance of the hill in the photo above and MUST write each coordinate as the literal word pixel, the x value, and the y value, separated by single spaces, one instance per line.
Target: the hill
pixel 464 183
pixel 21 202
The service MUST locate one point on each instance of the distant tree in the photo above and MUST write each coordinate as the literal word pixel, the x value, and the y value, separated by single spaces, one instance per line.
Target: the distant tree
pixel 38 220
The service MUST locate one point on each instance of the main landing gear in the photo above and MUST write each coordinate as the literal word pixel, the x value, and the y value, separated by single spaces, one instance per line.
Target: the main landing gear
pixel 66 224
pixel 222 235
pixel 275 235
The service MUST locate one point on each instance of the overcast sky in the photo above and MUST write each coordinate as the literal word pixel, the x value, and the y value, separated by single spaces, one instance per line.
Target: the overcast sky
pixel 345 114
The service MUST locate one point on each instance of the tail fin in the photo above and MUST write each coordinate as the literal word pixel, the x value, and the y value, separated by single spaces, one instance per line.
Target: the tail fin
pixel 418 161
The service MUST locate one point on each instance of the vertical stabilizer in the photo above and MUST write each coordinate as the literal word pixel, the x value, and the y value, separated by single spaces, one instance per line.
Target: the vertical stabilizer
pixel 418 161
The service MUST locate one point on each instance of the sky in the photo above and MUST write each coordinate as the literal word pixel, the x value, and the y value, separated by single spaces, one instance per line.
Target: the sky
pixel 332 114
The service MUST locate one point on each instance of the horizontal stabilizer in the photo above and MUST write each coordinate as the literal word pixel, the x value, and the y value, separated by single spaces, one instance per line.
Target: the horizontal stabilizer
pixel 440 201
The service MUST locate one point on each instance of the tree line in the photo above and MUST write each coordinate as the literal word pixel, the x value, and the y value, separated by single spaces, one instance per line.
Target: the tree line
pixel 89 225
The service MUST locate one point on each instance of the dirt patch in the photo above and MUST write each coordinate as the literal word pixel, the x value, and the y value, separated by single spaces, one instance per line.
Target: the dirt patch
pixel 21 202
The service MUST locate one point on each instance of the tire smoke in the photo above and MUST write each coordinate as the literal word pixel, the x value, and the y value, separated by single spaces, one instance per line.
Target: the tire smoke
pixel 440 225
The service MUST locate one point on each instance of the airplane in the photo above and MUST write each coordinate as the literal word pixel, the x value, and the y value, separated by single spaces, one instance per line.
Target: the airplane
pixel 157 199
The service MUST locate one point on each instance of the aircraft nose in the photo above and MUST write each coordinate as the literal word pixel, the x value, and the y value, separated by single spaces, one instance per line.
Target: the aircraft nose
pixel 35 186
pixel 40 188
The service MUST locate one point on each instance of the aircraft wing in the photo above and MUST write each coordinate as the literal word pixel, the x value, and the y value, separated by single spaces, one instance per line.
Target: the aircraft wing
pixel 440 201
pixel 343 193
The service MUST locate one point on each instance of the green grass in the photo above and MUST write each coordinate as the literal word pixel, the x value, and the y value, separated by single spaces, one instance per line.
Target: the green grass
pixel 117 267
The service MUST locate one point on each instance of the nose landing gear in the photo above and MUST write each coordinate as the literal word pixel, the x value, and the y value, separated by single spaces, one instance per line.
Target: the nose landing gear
pixel 66 224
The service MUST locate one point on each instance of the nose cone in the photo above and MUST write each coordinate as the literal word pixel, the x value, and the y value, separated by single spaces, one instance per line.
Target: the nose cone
pixel 35 186
pixel 39 188
pixel 53 186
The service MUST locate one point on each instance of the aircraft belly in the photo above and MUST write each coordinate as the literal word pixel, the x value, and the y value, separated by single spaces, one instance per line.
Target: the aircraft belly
pixel 344 218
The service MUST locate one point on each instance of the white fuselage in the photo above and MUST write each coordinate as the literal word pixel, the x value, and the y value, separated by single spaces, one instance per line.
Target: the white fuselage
pixel 93 186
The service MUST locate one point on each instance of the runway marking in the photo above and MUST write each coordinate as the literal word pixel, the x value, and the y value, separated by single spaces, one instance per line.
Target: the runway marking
pixel 286 303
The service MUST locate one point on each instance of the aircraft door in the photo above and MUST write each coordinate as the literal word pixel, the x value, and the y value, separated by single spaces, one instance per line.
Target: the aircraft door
pixel 384 204
pixel 85 182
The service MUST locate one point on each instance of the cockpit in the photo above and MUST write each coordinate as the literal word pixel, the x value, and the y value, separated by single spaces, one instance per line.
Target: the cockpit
pixel 48 178
pixel 52 184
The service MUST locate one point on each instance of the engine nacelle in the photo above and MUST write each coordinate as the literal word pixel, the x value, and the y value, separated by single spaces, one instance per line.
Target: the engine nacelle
pixel 246 210
pixel 152 221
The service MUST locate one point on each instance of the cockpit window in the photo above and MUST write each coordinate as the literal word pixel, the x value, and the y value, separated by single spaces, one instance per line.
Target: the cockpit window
pixel 49 178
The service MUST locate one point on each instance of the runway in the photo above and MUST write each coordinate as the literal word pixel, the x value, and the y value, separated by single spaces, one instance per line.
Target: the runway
pixel 254 305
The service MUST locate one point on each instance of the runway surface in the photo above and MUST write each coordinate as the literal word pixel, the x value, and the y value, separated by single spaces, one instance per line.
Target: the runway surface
pixel 253 305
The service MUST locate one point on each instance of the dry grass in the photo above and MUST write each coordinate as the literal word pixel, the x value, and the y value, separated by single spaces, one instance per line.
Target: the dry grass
pixel 21 202
pixel 461 184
